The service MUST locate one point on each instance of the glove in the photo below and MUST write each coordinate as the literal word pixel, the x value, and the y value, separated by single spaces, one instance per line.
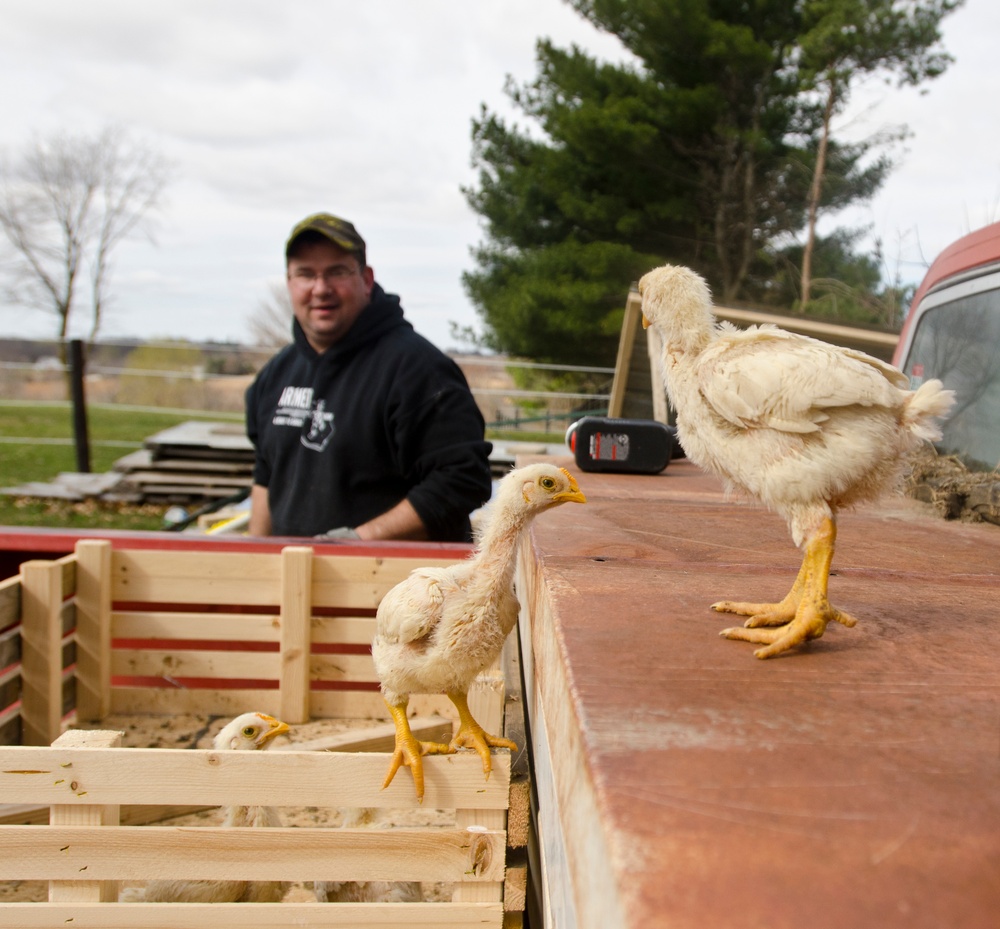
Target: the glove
pixel 341 532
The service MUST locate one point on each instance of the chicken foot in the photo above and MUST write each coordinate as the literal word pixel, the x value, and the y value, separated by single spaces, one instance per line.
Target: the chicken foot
pixel 804 612
pixel 471 735
pixel 410 750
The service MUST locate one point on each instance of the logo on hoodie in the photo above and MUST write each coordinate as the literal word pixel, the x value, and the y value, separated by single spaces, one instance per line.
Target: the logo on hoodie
pixel 318 429
pixel 296 408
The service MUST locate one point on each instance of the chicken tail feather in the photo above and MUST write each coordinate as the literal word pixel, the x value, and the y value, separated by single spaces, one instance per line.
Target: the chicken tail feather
pixel 929 403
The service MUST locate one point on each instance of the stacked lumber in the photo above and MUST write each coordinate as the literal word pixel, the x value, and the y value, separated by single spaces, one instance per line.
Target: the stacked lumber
pixel 194 462
pixel 189 462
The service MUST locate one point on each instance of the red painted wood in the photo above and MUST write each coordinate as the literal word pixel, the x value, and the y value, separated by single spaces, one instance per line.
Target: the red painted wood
pixel 855 782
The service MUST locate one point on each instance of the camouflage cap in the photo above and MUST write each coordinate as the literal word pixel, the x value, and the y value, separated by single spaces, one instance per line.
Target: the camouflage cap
pixel 337 230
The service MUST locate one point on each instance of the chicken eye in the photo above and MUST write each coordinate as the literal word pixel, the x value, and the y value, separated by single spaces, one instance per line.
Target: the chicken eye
pixel 548 483
pixel 249 731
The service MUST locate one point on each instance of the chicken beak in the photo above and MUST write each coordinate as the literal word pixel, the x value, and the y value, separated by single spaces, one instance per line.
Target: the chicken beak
pixel 645 321
pixel 573 495
pixel 277 727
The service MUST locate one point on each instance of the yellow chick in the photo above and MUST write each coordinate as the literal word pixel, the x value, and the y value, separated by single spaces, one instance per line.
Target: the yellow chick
pixel 248 732
pixel 439 628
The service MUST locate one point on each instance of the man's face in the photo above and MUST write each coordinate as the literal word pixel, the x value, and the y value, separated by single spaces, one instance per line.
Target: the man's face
pixel 328 291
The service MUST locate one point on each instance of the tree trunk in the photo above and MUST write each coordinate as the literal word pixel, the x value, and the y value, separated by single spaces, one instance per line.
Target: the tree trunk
pixel 814 194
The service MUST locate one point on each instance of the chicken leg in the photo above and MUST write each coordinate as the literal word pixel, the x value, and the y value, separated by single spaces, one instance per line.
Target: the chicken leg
pixel 409 750
pixel 804 612
pixel 471 735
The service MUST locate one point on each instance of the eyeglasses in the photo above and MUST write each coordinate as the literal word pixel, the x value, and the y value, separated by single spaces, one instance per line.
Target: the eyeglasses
pixel 306 277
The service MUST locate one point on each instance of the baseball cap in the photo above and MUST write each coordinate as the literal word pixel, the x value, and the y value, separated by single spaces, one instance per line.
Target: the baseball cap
pixel 337 230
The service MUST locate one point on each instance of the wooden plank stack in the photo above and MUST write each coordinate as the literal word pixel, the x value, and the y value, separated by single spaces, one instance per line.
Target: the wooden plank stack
pixel 193 461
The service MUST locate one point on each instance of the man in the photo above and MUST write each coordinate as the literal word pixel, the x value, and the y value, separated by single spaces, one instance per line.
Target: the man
pixel 363 429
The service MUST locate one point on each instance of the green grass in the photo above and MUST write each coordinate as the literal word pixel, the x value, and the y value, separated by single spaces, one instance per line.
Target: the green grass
pixel 114 431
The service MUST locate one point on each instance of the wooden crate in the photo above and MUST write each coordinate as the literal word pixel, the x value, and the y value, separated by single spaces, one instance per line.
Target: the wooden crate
pixel 112 631
pixel 85 853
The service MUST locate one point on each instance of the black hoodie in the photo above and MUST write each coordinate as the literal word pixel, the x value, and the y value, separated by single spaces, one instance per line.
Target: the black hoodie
pixel 382 415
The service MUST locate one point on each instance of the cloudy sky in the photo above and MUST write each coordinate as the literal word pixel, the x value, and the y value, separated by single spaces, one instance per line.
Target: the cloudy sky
pixel 272 111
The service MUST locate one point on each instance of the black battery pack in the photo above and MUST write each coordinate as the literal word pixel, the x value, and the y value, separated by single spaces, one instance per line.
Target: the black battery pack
pixel 629 446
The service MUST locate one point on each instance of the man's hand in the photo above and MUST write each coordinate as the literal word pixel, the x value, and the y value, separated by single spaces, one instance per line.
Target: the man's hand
pixel 341 532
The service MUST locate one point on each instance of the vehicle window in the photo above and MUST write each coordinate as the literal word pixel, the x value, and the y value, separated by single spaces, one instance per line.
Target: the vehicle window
pixel 959 342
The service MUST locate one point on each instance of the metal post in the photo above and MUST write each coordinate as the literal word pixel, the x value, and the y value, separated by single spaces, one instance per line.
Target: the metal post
pixel 76 367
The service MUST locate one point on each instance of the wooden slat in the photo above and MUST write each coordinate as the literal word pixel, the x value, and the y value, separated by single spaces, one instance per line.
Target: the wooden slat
pixel 73 889
pixel 328 704
pixel 380 737
pixel 199 776
pixel 93 629
pixel 347 630
pixel 353 668
pixel 296 610
pixel 221 627
pixel 41 651
pixel 139 853
pixel 67 570
pixel 10 686
pixel 631 322
pixel 10 645
pixel 169 701
pixel 33 814
pixel 196 577
pixel 482 824
pixel 486 698
pixel 151 480
pixel 10 725
pixel 515 881
pixel 346 581
pixel 67 616
pixel 10 602
pixel 355 582
pixel 515 729
pixel 251 915
pixel 654 348
pixel 143 458
pixel 154 662
pixel 236 627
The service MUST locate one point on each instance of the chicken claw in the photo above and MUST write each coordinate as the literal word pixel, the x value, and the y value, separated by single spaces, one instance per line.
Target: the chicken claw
pixel 809 623
pixel 409 751
pixel 471 735
pixel 804 612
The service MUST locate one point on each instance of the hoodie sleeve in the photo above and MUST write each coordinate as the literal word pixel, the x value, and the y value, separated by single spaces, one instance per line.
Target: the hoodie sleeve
pixel 439 433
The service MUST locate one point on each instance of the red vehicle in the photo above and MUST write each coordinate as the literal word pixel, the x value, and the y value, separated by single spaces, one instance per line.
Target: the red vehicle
pixel 953 333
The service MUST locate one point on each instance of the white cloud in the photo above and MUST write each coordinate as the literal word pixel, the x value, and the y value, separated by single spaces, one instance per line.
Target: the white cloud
pixel 271 111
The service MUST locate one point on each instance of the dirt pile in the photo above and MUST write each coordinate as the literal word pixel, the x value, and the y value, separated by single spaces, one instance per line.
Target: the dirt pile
pixel 953 490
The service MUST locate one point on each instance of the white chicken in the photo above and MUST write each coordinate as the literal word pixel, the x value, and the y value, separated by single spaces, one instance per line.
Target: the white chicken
pixel 366 891
pixel 439 628
pixel 248 732
pixel 805 427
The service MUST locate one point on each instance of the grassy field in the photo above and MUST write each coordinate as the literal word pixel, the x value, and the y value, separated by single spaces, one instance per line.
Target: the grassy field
pixel 36 444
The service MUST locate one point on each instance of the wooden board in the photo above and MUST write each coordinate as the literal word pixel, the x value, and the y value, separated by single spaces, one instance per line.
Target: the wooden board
pixel 683 782
pixel 252 916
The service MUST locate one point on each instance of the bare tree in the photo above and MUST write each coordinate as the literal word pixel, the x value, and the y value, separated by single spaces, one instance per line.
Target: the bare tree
pixel 271 321
pixel 65 204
